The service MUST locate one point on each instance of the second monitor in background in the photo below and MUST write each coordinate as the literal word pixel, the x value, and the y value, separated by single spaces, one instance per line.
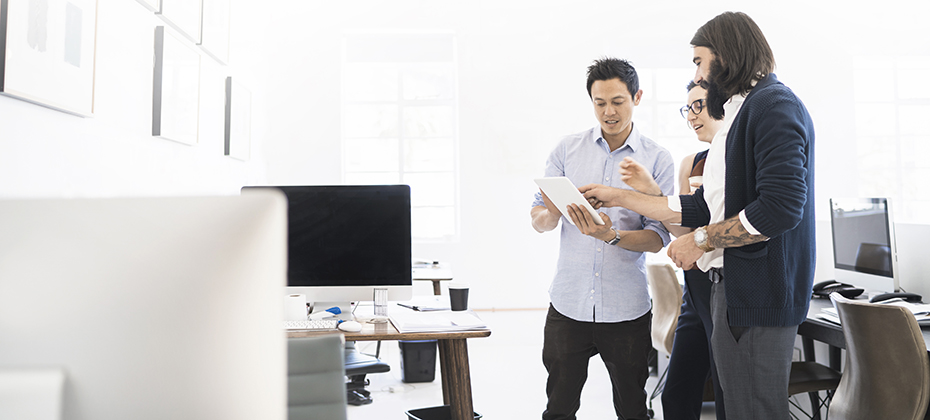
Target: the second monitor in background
pixel 346 240
pixel 864 252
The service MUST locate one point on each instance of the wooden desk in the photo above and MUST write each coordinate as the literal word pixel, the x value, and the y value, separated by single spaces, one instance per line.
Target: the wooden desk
pixel 453 359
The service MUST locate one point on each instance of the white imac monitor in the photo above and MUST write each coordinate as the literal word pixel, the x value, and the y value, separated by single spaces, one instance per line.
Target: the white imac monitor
pixel 153 308
pixel 346 240
pixel 864 251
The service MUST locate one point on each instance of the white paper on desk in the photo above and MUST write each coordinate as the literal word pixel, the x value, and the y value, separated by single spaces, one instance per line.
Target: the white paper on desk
pixel 920 314
pixel 407 320
pixel 428 303
pixel 916 308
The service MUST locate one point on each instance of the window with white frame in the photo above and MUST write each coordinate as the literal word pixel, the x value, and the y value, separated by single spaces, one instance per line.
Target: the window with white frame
pixel 665 91
pixel 399 122
pixel 892 98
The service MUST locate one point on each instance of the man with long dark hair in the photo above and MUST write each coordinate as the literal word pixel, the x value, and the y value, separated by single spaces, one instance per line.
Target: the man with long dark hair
pixel 754 215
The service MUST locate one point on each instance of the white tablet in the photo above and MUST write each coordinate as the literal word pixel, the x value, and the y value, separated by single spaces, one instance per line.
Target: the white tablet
pixel 562 193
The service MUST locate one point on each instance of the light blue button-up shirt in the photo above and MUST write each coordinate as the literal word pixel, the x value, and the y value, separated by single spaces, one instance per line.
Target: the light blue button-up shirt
pixel 595 281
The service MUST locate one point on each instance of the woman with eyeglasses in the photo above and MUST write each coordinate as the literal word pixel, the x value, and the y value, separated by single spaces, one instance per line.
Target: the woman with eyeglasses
pixel 691 361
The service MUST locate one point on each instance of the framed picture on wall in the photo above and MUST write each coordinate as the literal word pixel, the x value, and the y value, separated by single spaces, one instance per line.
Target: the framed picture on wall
pixel 153 5
pixel 238 120
pixel 184 16
pixel 47 55
pixel 176 88
pixel 214 37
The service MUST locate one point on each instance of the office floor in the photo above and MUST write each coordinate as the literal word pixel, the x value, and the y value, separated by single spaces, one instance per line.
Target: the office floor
pixel 507 375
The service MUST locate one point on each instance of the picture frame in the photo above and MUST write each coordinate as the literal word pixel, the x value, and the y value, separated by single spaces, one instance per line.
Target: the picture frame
pixel 48 53
pixel 214 32
pixel 183 16
pixel 175 89
pixel 238 138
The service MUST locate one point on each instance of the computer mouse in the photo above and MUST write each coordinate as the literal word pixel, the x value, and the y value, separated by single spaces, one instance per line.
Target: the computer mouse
pixel 907 297
pixel 350 326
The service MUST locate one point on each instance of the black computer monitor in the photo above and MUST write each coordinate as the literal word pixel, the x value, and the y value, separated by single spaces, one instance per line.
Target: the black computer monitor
pixel 864 251
pixel 346 240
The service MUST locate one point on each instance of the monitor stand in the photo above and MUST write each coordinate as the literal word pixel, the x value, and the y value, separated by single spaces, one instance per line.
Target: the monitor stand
pixel 345 309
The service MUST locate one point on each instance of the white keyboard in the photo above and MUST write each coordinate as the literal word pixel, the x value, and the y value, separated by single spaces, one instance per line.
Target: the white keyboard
pixel 312 324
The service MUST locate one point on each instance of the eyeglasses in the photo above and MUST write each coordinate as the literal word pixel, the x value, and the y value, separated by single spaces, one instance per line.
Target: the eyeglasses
pixel 696 107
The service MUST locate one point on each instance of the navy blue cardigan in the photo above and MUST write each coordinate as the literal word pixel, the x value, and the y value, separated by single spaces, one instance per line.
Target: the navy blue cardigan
pixel 770 173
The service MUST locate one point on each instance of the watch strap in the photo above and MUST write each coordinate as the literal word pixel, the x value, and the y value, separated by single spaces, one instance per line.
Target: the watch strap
pixel 703 244
pixel 615 239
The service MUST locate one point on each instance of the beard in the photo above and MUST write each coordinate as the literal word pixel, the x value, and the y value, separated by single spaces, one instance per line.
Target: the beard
pixel 716 95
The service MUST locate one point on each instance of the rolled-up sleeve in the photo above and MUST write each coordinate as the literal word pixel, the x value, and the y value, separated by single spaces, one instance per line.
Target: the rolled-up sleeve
pixel 664 174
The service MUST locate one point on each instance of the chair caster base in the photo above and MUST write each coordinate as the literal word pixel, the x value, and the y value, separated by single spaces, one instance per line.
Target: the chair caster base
pixel 358 398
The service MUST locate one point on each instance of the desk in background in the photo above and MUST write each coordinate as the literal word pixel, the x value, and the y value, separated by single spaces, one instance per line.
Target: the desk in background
pixel 453 359
pixel 814 328
pixel 435 273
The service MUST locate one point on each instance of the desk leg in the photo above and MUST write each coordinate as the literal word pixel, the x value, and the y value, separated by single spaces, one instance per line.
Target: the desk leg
pixel 436 289
pixel 835 354
pixel 456 378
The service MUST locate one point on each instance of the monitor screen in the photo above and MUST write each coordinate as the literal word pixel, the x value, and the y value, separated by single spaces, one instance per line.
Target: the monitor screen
pixel 863 243
pixel 345 240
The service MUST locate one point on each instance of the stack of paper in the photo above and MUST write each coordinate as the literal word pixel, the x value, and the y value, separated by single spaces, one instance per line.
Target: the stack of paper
pixel 406 320
pixel 921 312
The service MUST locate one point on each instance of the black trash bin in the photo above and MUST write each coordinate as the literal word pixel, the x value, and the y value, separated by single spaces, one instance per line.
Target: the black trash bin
pixel 441 412
pixel 417 360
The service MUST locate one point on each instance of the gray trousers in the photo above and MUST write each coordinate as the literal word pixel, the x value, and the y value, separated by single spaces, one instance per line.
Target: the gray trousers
pixel 753 364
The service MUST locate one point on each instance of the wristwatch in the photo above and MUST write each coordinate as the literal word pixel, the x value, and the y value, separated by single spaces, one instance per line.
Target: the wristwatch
pixel 615 239
pixel 700 239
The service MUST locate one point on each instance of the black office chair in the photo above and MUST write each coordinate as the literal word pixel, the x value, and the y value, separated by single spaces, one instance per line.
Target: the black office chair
pixel 873 258
pixel 812 378
pixel 357 365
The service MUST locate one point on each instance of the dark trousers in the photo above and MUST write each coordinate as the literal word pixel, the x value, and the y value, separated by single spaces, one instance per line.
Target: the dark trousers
pixel 754 363
pixel 692 360
pixel 624 347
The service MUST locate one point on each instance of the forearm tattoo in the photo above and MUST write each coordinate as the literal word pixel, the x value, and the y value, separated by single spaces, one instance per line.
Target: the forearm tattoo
pixel 730 233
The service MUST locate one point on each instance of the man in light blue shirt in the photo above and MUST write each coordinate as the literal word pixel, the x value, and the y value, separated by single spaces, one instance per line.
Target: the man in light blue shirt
pixel 599 299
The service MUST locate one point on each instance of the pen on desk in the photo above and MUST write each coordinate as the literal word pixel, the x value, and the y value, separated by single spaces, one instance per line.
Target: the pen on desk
pixel 414 307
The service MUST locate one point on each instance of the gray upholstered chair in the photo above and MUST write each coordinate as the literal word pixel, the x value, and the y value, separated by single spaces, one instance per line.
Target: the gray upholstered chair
pixel 887 373
pixel 666 304
pixel 666 307
pixel 316 385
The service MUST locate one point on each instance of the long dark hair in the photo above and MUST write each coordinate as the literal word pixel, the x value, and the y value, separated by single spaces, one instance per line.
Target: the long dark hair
pixel 742 53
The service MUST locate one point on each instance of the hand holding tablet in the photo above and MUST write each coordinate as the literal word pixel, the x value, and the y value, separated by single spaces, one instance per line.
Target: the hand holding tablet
pixel 562 192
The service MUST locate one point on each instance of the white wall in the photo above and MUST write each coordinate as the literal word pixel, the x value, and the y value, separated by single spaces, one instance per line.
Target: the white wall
pixel 521 87
pixel 46 153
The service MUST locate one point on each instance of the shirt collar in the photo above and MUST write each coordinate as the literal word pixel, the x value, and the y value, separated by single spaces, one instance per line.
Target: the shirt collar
pixel 634 140
pixel 731 108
